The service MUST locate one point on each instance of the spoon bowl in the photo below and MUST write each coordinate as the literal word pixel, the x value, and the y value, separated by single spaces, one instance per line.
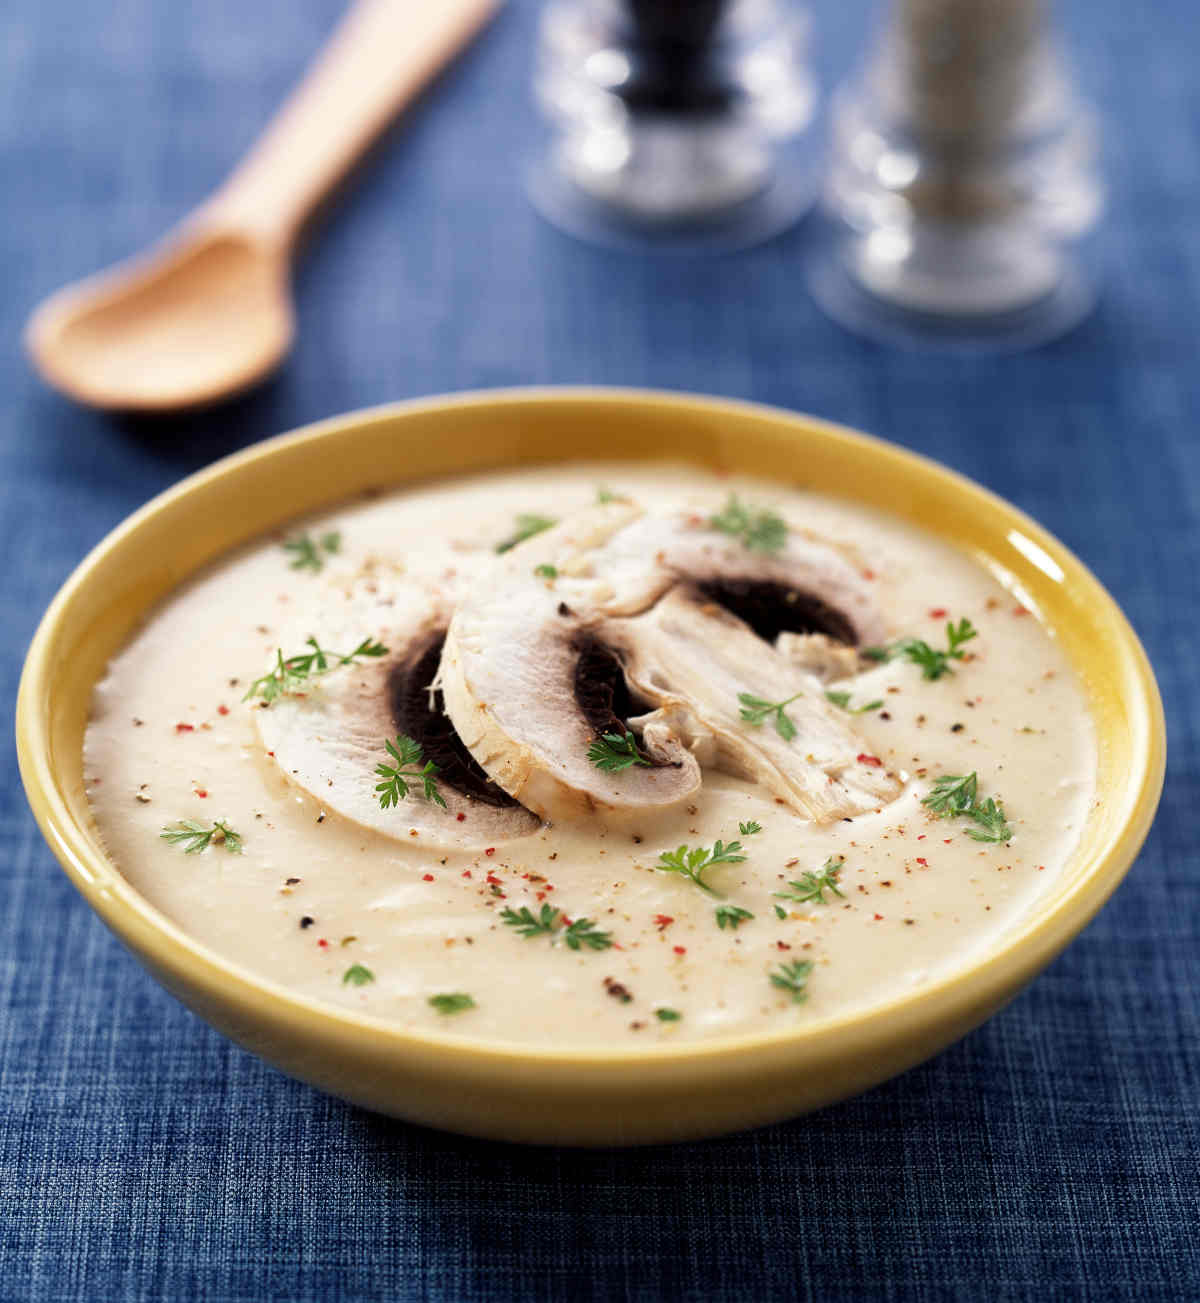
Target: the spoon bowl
pixel 198 319
pixel 209 312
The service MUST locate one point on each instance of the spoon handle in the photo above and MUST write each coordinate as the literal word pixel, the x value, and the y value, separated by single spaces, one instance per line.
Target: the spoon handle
pixel 378 59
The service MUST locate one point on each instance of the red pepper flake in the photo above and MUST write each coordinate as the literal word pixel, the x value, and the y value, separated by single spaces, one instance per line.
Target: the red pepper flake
pixel 323 944
pixel 201 792
pixel 428 877
pixel 460 816
pixel 921 838
pixel 680 950
pixel 466 873
pixel 185 728
pixel 271 754
pixel 938 613
pixel 921 860
pixel 541 895
pixel 1021 610
pixel 782 945
pixel 873 761
pixel 868 574
pixel 222 710
pixel 1041 868
pixel 947 840
pixel 663 921
pixel 491 850
pixel 549 886
pixel 878 917
pixel 493 880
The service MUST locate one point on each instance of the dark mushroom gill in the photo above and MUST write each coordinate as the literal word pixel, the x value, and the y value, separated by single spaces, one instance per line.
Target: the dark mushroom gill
pixel 772 608
pixel 419 713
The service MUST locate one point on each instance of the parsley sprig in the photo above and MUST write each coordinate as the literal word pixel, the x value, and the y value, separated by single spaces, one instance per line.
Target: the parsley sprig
pixel 550 922
pixel 933 663
pixel 793 978
pixel 693 863
pixel 310 554
pixel 813 886
pixel 613 752
pixel 408 753
pixel 527 524
pixel 755 710
pixel 195 836
pixel 759 529
pixel 957 796
pixel 292 673
pixel 842 699
pixel 357 975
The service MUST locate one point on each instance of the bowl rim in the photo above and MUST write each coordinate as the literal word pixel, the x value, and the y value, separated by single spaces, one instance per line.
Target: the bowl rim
pixel 1023 950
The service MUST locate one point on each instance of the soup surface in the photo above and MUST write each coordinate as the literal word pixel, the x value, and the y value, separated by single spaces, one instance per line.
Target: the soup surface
pixel 717 757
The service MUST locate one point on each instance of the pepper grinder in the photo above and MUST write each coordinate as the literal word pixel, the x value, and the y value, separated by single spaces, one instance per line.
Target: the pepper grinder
pixel 963 175
pixel 674 125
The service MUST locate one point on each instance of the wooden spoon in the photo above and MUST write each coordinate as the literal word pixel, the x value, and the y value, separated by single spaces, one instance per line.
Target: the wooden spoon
pixel 209 311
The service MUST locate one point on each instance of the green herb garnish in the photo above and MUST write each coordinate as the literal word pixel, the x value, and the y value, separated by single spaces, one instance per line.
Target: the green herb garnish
pixel 749 828
pixel 793 978
pixel 527 525
pixel 732 916
pixel 582 932
pixel 668 1015
pixel 307 553
pixel 613 752
pixel 408 754
pixel 759 529
pixel 546 571
pixel 813 886
pixel 195 837
pixel 692 863
pixel 780 912
pixel 755 710
pixel 452 1002
pixel 842 699
pixel 292 674
pixel 956 796
pixel 933 663
pixel 357 975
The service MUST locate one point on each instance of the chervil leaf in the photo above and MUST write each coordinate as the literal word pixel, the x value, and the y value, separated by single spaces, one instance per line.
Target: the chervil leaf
pixel 407 754
pixel 527 525
pixel 934 664
pixel 732 916
pixel 760 530
pixel 755 710
pixel 692 863
pixel 357 975
pixel 842 699
pixel 613 752
pixel 956 796
pixel 813 886
pixel 528 925
pixel 291 675
pixel 749 828
pixel 195 837
pixel 452 1002
pixel 793 978
pixel 583 932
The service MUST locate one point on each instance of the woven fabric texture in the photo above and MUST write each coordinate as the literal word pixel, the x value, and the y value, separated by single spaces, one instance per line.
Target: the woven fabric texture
pixel 1050 1155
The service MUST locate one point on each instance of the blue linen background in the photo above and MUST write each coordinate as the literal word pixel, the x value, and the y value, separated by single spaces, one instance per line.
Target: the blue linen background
pixel 1051 1154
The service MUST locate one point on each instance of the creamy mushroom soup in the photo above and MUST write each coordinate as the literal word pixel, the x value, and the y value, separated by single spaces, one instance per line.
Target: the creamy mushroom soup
pixel 597 756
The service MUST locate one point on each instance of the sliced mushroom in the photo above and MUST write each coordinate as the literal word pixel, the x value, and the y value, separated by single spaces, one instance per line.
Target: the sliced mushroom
pixel 659 623
pixel 691 659
pixel 329 740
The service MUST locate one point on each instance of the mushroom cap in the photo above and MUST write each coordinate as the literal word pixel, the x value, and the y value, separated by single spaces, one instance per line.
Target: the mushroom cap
pixel 511 665
pixel 329 740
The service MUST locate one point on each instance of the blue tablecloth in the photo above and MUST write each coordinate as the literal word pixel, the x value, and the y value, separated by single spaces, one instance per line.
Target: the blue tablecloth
pixel 1052 1154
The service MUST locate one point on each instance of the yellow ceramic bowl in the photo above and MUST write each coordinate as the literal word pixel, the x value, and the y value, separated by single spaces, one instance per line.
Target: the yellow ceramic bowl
pixel 618 1096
